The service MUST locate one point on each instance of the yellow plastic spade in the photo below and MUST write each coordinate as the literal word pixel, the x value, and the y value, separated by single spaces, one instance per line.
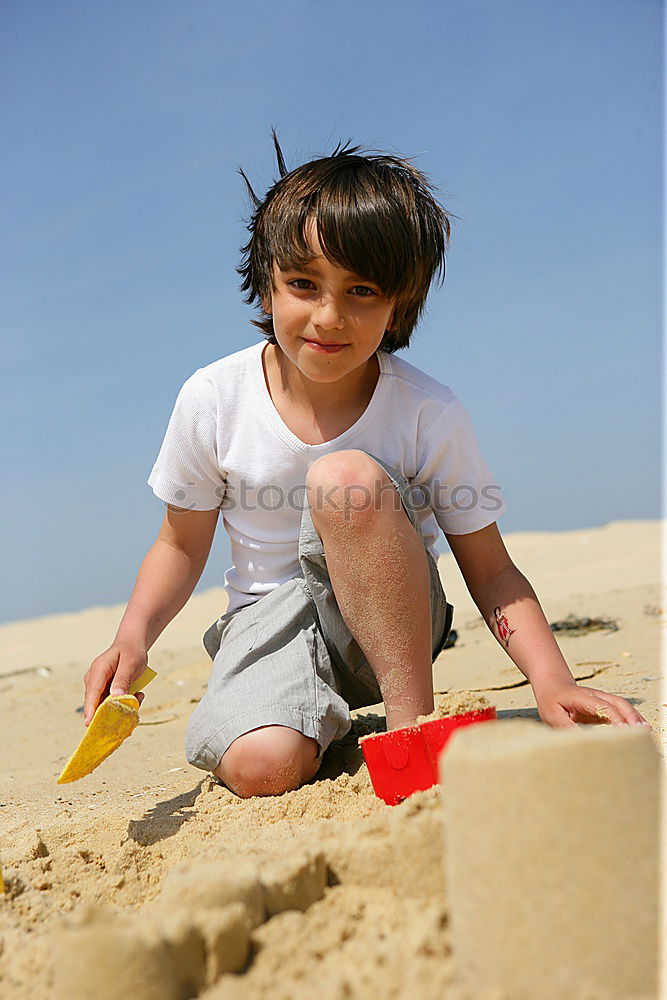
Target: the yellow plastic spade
pixel 115 719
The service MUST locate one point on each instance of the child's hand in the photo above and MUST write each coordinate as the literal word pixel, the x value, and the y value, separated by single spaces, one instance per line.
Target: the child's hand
pixel 112 672
pixel 563 705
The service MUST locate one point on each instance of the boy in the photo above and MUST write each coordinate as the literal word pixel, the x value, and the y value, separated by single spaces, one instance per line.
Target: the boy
pixel 335 464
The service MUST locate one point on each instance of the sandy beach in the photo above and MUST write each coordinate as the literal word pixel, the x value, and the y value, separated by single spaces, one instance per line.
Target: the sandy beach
pixel 380 927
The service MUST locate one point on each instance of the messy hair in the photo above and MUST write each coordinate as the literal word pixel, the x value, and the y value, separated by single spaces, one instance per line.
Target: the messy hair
pixel 376 216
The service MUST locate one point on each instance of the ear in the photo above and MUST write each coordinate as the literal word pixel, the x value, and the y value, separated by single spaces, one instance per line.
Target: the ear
pixel 267 305
pixel 390 321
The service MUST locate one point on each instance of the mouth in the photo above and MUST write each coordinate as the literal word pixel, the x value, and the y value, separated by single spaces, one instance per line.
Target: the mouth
pixel 317 345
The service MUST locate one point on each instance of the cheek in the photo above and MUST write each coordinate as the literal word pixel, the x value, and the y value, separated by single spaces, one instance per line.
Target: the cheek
pixel 372 319
pixel 287 311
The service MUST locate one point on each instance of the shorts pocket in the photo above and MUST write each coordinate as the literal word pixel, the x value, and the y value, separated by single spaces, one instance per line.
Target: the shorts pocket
pixel 214 635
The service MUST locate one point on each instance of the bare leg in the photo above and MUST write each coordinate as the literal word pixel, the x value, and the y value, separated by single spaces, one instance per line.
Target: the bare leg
pixel 379 572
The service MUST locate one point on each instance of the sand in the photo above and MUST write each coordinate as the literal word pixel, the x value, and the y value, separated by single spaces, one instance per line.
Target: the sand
pixel 117 839
pixel 456 703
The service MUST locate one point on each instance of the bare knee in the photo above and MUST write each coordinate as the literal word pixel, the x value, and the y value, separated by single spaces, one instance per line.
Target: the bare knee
pixel 268 761
pixel 348 467
pixel 348 485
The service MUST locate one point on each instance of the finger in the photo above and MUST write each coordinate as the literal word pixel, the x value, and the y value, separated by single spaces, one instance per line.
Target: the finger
pixel 139 695
pixel 599 709
pixel 562 719
pixel 98 681
pixel 559 718
pixel 630 714
pixel 126 673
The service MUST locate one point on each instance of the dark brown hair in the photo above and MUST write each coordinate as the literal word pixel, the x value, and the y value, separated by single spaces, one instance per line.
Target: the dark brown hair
pixel 376 216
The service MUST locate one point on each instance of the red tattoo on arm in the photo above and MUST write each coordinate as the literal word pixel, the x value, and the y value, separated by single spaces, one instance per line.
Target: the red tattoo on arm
pixel 504 629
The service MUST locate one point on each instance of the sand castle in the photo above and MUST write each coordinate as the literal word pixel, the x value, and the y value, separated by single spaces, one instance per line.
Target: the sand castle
pixel 551 854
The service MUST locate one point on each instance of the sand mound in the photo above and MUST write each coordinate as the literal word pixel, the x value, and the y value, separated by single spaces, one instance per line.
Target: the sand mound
pixel 457 703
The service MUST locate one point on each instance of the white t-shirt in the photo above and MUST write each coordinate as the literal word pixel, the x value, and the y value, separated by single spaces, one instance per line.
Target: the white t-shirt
pixel 227 447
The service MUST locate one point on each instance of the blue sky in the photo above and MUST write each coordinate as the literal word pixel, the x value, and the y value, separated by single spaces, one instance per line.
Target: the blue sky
pixel 123 127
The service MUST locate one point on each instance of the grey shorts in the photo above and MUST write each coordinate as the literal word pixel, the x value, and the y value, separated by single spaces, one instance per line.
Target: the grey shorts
pixel 288 659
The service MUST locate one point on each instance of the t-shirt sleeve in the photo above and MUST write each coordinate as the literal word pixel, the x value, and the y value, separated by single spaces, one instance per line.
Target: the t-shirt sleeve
pixel 464 494
pixel 187 472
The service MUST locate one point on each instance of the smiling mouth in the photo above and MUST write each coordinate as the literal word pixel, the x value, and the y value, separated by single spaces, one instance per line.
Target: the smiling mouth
pixel 330 346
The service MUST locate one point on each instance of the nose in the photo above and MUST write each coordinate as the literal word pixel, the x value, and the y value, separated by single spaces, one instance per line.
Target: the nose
pixel 327 314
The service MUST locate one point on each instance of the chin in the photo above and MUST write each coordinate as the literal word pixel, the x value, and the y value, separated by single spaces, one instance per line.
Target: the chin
pixel 318 375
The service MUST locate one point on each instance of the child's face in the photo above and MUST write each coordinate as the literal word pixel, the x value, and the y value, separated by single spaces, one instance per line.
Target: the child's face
pixel 326 305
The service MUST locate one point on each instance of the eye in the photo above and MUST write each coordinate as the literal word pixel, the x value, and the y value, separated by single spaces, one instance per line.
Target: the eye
pixel 366 292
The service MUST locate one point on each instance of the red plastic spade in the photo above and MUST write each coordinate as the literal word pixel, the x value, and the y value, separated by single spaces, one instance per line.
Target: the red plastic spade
pixel 404 761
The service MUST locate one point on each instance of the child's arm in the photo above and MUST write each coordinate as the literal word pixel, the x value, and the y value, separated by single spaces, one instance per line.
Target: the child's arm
pixel 167 577
pixel 510 608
